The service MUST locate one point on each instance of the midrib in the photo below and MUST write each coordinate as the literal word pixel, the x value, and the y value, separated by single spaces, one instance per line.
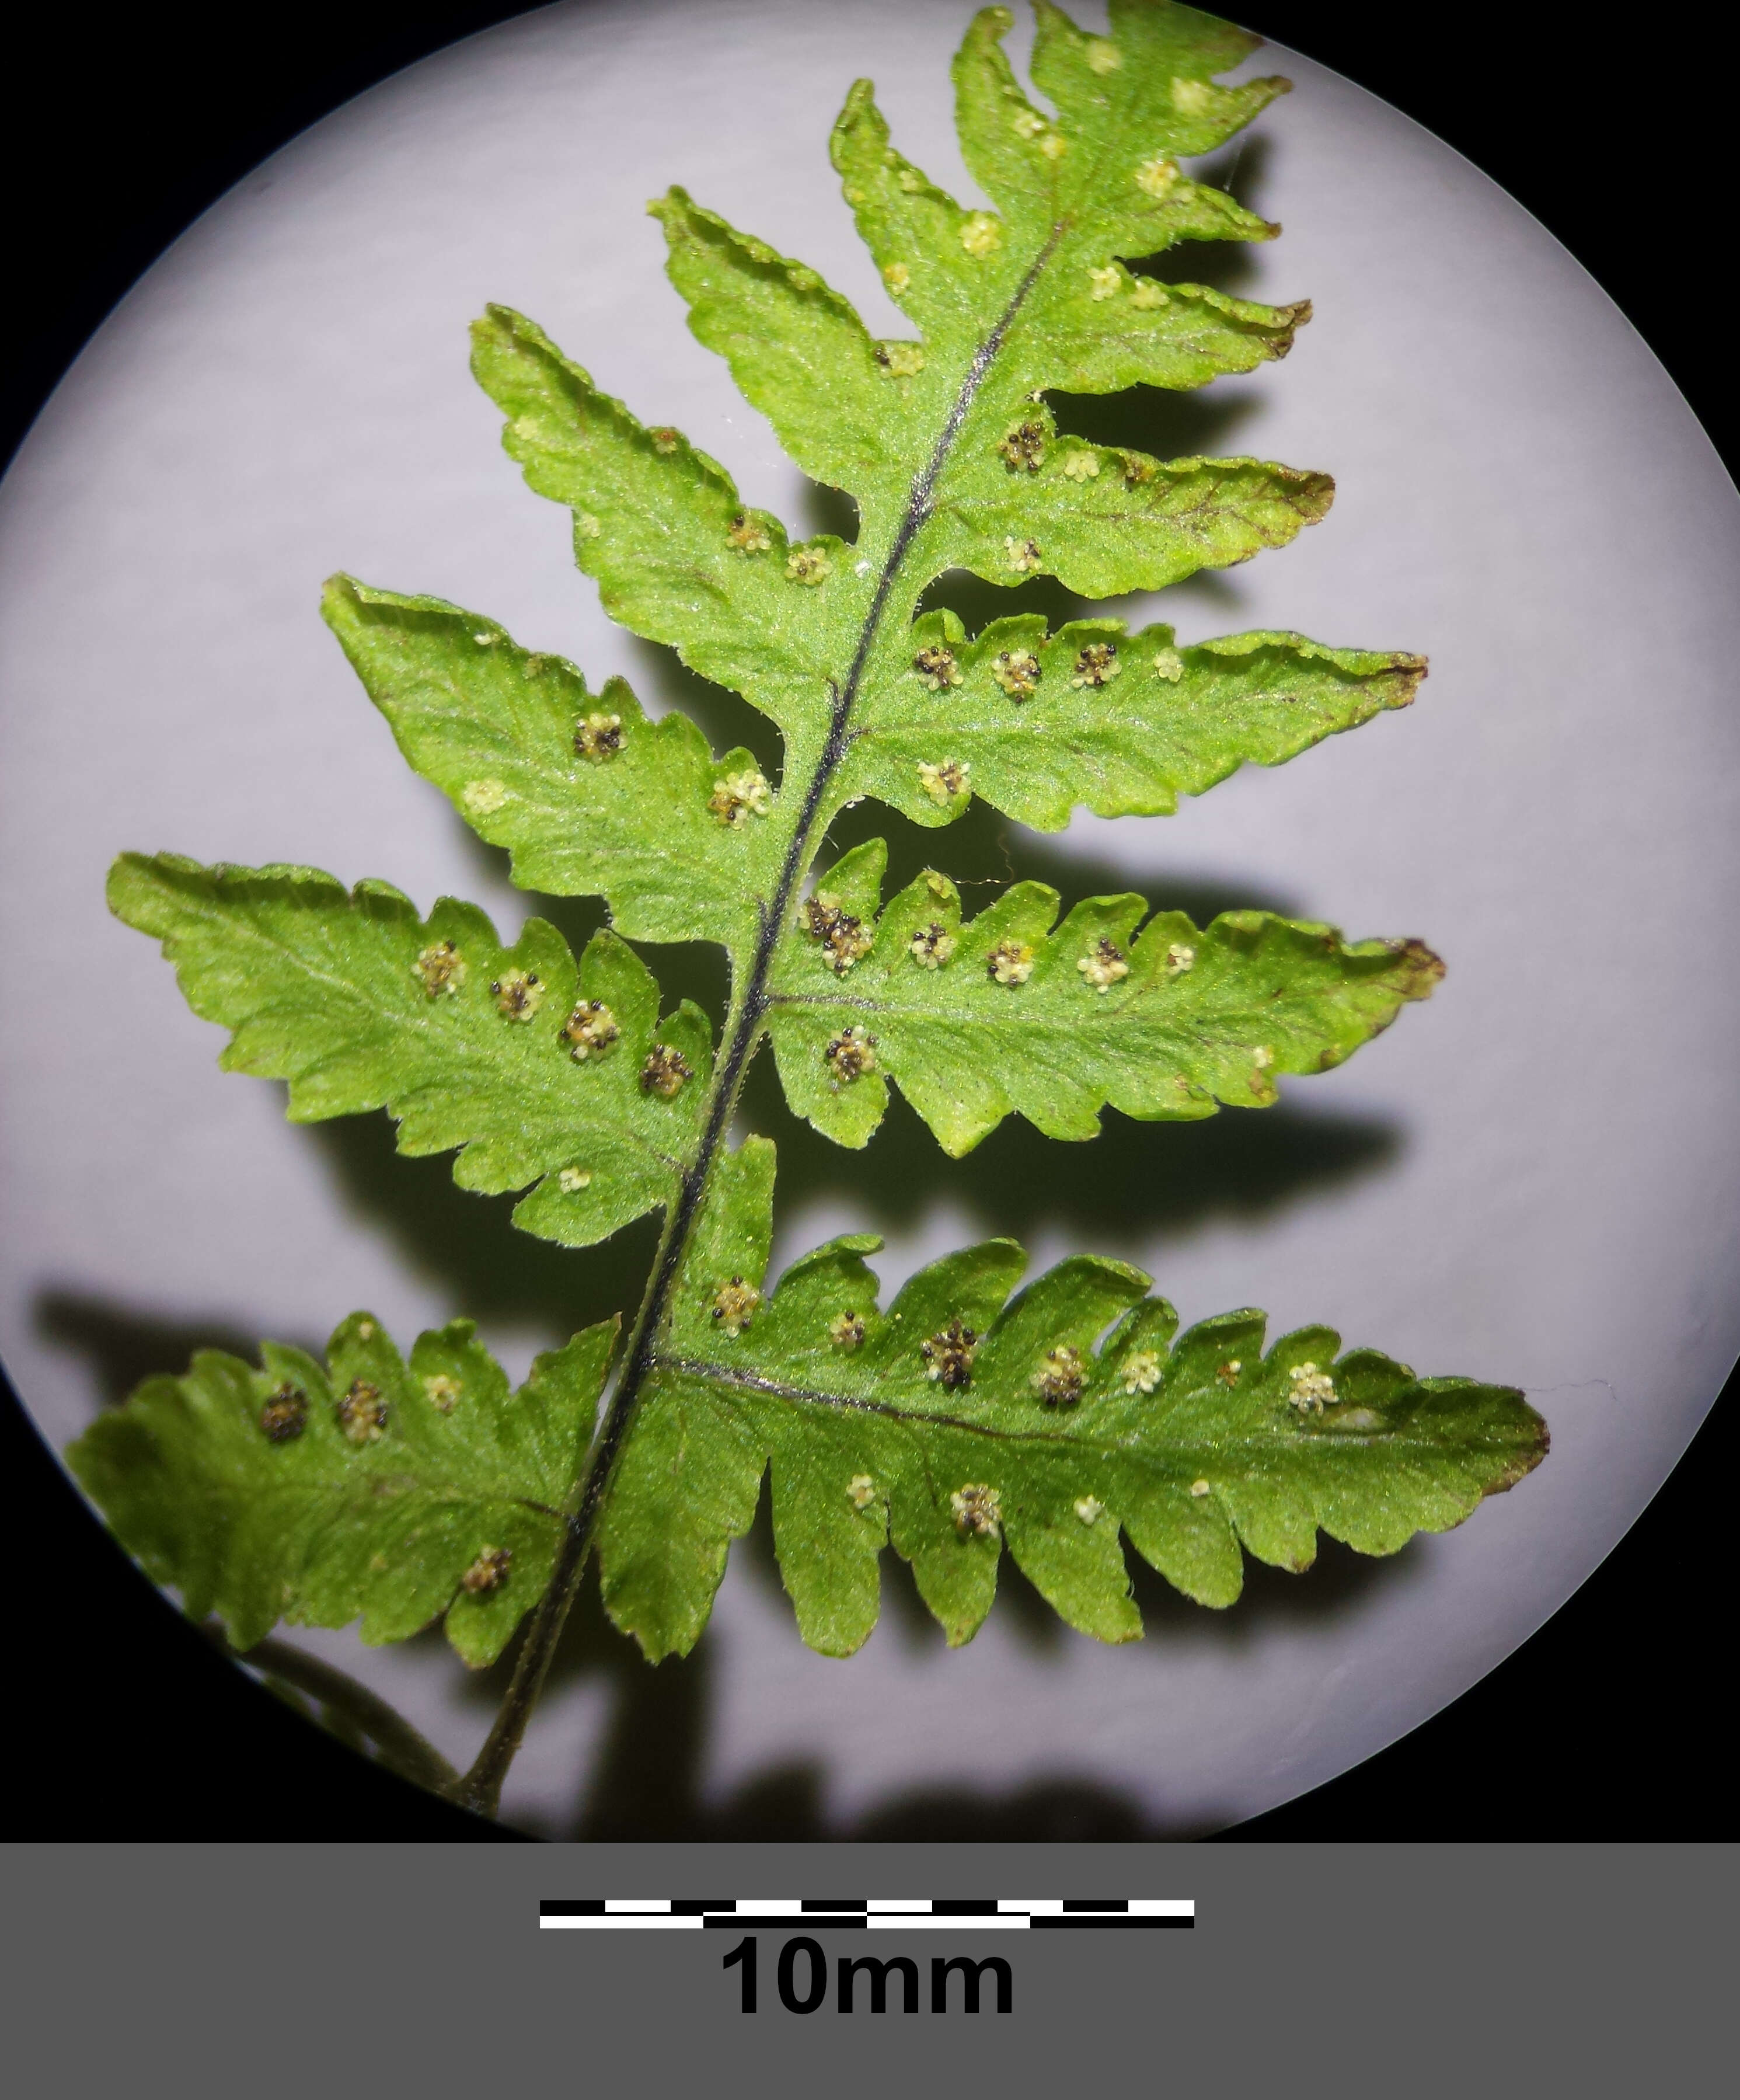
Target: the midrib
pixel 481 1785
pixel 750 1007
pixel 1256 1443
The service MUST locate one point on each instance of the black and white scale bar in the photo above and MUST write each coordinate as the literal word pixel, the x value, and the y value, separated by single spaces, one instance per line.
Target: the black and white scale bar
pixel 866 1913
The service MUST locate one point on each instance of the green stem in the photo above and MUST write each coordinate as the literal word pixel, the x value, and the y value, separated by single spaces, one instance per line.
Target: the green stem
pixel 481 1788
pixel 400 1745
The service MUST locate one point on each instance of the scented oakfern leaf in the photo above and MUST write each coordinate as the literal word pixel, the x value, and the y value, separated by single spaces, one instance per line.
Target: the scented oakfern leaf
pixel 543 1070
pixel 979 1019
pixel 677 556
pixel 589 796
pixel 365 1487
pixel 1036 722
pixel 1063 1420
pixel 961 1420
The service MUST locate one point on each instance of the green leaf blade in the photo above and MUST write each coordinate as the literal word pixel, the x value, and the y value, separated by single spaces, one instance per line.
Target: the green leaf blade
pixel 677 557
pixel 913 229
pixel 360 1005
pixel 685 1485
pixel 589 796
pixel 799 352
pixel 1101 329
pixel 960 1420
pixel 1006 1014
pixel 1131 104
pixel 363 1490
pixel 1105 521
pixel 1013 151
pixel 1092 716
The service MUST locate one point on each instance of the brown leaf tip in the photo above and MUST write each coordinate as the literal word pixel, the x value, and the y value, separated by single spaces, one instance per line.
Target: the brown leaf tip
pixel 1420 970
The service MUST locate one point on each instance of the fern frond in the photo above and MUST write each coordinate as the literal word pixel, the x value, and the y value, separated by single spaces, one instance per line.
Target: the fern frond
pixel 1061 1421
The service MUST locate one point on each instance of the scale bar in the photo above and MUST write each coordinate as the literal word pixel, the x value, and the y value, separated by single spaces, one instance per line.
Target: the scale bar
pixel 866 1913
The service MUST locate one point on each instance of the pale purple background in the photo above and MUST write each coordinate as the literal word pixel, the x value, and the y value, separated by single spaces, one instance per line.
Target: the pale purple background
pixel 1522 494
